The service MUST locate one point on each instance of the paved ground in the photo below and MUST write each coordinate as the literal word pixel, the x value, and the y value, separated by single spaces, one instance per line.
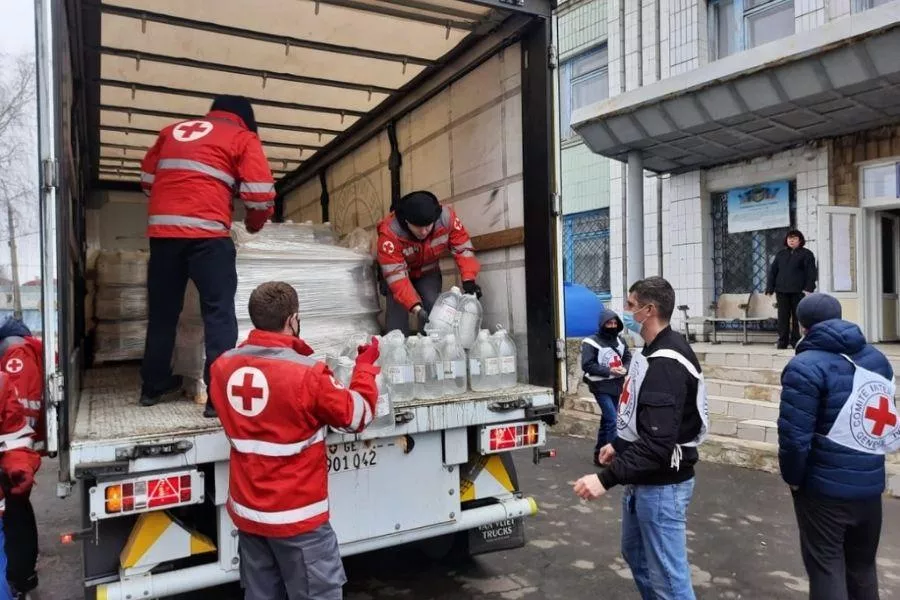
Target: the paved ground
pixel 742 542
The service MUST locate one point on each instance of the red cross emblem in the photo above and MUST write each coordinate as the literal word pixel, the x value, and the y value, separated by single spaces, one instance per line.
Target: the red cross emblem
pixel 616 362
pixel 191 130
pixel 457 224
pixel 881 416
pixel 248 391
pixel 625 396
pixel 14 365
pixel 388 247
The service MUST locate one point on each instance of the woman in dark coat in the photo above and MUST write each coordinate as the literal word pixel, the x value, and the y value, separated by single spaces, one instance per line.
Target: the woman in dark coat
pixel 792 276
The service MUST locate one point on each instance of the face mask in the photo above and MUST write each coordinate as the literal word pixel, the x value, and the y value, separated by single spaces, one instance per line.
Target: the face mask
pixel 632 323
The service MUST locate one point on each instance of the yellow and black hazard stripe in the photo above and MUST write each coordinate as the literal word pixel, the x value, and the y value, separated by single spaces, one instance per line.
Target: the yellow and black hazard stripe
pixel 487 477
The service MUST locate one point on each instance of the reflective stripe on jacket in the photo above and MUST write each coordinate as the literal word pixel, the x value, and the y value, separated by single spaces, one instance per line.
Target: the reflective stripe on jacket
pixel 275 404
pixel 195 168
pixel 403 257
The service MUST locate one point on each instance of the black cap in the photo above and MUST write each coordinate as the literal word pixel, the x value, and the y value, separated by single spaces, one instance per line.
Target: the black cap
pixel 816 308
pixel 236 105
pixel 419 208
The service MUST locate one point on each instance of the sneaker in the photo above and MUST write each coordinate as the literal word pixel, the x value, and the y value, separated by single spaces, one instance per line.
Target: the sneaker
pixel 174 386
pixel 210 411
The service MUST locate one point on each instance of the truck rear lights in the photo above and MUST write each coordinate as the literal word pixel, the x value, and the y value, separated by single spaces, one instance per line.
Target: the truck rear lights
pixel 511 436
pixel 144 494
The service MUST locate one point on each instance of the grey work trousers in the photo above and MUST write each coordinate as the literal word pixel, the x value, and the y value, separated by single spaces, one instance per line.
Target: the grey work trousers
pixel 303 567
pixel 429 288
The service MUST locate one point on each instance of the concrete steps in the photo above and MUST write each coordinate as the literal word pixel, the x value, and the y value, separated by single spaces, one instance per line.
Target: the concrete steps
pixel 724 388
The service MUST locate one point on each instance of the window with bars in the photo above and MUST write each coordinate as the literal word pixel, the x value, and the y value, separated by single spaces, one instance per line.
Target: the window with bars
pixel 584 80
pixel 741 260
pixel 586 250
pixel 737 25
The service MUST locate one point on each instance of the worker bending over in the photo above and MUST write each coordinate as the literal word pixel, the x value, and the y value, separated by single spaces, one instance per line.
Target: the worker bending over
pixel 276 404
pixel 191 174
pixel 411 242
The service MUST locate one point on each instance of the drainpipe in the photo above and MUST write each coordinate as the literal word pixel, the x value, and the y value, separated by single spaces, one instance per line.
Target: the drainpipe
pixel 634 215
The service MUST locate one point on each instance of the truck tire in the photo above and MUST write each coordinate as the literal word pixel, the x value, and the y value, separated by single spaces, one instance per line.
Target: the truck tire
pixel 449 549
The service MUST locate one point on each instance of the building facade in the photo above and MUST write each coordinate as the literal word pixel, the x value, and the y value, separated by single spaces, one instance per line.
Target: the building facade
pixel 730 122
pixel 584 178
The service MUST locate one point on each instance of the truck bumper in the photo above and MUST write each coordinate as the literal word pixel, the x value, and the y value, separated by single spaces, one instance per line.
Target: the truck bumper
pixel 210 575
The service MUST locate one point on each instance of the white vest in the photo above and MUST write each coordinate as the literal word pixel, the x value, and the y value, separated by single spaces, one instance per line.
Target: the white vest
pixel 868 422
pixel 626 421
pixel 609 357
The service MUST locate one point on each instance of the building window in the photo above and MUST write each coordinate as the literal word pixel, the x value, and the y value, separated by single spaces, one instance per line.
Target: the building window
pixel 861 5
pixel 584 80
pixel 737 25
pixel 586 250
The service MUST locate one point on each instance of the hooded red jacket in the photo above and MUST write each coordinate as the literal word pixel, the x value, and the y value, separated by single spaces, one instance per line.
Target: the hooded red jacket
pixel 21 358
pixel 195 168
pixel 276 404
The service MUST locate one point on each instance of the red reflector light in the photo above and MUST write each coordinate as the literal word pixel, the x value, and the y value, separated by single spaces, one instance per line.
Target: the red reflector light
pixel 67 538
pixel 186 481
pixel 503 438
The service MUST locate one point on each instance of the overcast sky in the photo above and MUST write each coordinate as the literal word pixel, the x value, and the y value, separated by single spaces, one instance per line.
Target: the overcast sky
pixel 16 37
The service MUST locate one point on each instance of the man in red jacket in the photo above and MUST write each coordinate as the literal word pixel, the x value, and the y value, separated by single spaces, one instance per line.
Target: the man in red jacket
pixel 21 359
pixel 191 174
pixel 18 464
pixel 411 242
pixel 276 404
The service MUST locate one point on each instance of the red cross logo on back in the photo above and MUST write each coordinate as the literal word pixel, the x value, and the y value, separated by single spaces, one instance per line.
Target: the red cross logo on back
pixel 248 391
pixel 881 416
pixel 191 130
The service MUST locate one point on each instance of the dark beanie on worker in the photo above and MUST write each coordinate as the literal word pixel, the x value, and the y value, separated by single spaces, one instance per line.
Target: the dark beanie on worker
pixel 816 308
pixel 419 208
pixel 237 105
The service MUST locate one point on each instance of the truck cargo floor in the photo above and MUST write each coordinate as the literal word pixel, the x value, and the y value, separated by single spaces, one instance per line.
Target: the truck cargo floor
pixel 109 410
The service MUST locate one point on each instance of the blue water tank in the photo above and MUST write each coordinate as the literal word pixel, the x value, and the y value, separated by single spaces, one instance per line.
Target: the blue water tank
pixel 583 309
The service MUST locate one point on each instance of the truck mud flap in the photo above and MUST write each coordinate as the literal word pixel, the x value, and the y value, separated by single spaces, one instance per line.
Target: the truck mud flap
pixel 505 535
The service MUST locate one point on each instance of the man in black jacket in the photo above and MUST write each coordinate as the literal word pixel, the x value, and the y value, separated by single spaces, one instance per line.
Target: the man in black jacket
pixel 792 275
pixel 662 419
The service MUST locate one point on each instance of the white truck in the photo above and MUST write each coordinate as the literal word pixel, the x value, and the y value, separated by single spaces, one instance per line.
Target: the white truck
pixel 358 101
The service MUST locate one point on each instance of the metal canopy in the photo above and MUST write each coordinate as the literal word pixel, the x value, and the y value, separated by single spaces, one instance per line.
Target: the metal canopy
pixel 312 69
pixel 838 79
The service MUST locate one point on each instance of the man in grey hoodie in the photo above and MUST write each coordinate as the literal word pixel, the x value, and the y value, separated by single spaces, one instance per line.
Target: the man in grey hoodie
pixel 605 359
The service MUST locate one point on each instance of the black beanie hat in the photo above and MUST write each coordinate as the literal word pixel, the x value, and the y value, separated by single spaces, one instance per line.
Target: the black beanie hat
pixel 236 105
pixel 419 208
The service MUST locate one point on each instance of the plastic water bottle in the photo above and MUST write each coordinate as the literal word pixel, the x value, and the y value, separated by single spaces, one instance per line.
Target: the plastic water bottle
pixel 445 312
pixel 397 366
pixel 343 371
pixel 429 370
pixel 454 356
pixel 469 324
pixel 484 364
pixel 506 352
pixel 384 407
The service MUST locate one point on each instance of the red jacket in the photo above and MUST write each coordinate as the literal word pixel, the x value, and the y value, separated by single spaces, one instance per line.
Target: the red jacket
pixel 21 358
pixel 16 453
pixel 276 404
pixel 194 169
pixel 403 257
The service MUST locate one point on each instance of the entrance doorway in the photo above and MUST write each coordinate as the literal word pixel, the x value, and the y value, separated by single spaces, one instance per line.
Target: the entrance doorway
pixel 886 250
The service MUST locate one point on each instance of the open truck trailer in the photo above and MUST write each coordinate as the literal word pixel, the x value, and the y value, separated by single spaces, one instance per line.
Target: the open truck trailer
pixel 358 102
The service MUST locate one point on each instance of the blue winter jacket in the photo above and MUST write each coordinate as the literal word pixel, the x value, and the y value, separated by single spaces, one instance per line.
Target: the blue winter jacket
pixel 815 385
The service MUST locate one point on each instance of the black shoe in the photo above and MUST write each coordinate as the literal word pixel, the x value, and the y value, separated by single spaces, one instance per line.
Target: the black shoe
pixel 210 411
pixel 21 588
pixel 174 386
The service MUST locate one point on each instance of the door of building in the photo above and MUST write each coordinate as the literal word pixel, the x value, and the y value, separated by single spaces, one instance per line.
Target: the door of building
pixel 840 253
pixel 887 251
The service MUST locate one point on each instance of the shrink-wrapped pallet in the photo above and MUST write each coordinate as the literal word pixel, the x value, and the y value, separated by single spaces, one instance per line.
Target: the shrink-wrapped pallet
pixel 116 303
pixel 122 268
pixel 120 340
pixel 336 286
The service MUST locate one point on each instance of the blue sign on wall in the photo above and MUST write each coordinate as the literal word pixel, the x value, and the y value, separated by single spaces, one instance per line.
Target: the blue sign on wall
pixel 758 207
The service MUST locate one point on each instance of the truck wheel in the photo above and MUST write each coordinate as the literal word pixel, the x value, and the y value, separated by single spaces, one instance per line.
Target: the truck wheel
pixel 452 548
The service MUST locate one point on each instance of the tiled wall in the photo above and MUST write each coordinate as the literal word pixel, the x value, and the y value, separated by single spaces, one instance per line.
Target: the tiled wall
pixel 809 14
pixel 581 25
pixel 585 180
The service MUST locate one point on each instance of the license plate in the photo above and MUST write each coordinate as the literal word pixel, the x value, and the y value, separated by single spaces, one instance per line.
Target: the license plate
pixel 352 456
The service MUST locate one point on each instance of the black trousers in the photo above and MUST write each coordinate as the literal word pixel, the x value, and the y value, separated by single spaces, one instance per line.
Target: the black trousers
pixel 788 327
pixel 210 264
pixel 839 541
pixel 429 288
pixel 20 529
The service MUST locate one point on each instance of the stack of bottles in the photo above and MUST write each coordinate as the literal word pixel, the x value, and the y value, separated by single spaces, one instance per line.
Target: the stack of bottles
pixel 121 305
pixel 458 314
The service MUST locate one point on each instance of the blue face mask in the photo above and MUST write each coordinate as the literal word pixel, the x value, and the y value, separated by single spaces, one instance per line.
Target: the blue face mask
pixel 630 323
